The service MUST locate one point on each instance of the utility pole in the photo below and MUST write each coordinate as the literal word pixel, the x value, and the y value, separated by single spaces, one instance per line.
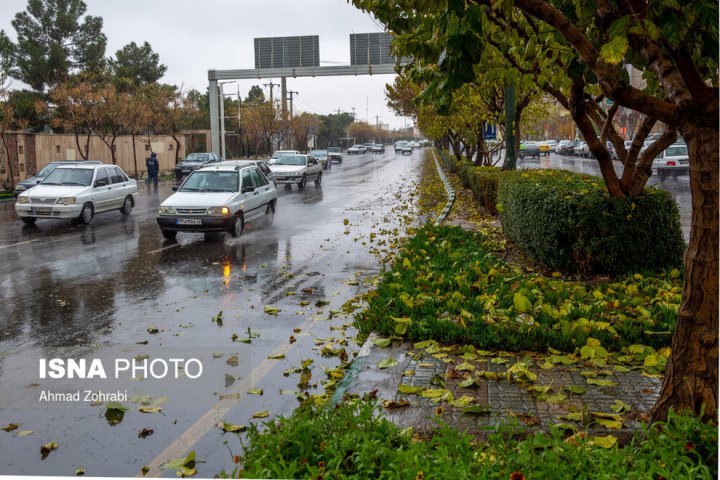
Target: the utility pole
pixel 353 109
pixel 271 85
pixel 338 110
pixel 283 88
pixel 291 101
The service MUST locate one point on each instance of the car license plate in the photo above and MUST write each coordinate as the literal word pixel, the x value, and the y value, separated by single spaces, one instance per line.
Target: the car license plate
pixel 189 221
pixel 281 178
pixel 185 170
pixel 42 211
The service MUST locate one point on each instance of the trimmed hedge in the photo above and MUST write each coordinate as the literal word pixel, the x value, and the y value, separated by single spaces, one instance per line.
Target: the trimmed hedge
pixel 567 221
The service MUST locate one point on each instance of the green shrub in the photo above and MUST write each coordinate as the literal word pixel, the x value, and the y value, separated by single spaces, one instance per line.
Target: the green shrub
pixel 452 289
pixel 568 222
pixel 483 181
pixel 352 441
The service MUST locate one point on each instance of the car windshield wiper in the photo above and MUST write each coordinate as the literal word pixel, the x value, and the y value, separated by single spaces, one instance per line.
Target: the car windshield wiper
pixel 73 183
pixel 50 183
pixel 221 190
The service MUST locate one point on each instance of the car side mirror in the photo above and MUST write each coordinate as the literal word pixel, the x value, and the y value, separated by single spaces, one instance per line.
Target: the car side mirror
pixel 175 188
pixel 248 189
pixel 100 183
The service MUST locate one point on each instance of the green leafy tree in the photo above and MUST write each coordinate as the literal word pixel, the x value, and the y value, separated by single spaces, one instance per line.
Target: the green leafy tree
pixel 135 65
pixel 55 39
pixel 333 127
pixel 255 95
pixel 578 50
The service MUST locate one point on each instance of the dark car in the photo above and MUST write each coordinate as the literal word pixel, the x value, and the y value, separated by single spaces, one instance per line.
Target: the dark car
pixel 194 161
pixel 28 183
pixel 529 149
pixel 567 147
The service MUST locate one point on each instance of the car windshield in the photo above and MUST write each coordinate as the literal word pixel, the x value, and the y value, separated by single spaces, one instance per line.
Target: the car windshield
pixel 45 171
pixel 212 181
pixel 334 149
pixel 318 153
pixel 290 160
pixel 69 176
pixel 197 158
pixel 676 151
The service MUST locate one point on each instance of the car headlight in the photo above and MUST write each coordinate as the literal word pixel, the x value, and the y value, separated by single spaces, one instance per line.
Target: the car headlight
pixel 218 211
pixel 67 201
pixel 22 199
pixel 20 188
pixel 166 211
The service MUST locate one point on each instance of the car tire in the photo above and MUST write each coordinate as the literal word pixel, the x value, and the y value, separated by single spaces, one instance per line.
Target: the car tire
pixel 238 226
pixel 86 214
pixel 169 234
pixel 127 206
pixel 318 180
pixel 302 183
pixel 28 220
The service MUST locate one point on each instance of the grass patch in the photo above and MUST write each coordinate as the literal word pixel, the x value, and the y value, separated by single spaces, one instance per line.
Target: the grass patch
pixel 432 195
pixel 352 441
pixel 446 285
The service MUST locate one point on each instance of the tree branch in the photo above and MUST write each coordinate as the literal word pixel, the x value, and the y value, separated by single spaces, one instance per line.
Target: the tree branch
pixel 668 137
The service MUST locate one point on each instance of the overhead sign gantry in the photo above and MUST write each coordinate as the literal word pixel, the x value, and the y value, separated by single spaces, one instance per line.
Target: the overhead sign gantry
pixel 282 57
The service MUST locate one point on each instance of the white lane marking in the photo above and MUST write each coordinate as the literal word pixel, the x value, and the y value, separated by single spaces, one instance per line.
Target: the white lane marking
pixel 165 248
pixel 209 420
pixel 19 243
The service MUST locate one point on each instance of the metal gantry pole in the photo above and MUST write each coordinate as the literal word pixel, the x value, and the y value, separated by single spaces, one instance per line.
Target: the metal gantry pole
pixel 222 120
pixel 214 130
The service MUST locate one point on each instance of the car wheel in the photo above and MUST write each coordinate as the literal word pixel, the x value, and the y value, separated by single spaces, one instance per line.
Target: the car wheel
pixel 86 214
pixel 238 226
pixel 318 180
pixel 169 234
pixel 127 206
pixel 28 220
pixel 302 183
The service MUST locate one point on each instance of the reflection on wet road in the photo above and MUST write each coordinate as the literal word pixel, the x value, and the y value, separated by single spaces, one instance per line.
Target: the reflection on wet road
pixel 116 289
pixel 679 187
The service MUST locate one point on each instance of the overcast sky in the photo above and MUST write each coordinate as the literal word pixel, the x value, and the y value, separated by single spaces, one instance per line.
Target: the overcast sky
pixel 193 36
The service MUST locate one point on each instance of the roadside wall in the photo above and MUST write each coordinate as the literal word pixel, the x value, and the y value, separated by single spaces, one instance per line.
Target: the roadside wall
pixel 34 151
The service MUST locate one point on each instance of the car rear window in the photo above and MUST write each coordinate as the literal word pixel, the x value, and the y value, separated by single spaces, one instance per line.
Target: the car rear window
pixel 290 160
pixel 676 151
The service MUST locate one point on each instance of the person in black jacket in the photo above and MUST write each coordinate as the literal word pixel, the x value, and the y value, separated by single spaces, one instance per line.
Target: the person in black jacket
pixel 153 167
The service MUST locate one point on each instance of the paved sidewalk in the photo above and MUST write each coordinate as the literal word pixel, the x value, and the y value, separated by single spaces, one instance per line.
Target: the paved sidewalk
pixel 511 402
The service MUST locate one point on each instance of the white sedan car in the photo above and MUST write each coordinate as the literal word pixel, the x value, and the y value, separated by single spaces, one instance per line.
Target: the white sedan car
pixel 78 191
pixel 219 198
pixel 289 169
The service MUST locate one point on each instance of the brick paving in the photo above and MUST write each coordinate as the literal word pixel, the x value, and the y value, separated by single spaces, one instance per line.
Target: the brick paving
pixel 508 402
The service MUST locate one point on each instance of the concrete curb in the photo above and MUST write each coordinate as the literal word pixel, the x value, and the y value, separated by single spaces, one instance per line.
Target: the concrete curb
pixel 448 188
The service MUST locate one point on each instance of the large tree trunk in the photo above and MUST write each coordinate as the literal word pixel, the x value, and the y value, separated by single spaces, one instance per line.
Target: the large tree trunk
pixel 691 376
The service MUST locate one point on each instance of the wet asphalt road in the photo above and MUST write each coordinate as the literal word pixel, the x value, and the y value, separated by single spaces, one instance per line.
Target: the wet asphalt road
pixel 679 187
pixel 95 291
